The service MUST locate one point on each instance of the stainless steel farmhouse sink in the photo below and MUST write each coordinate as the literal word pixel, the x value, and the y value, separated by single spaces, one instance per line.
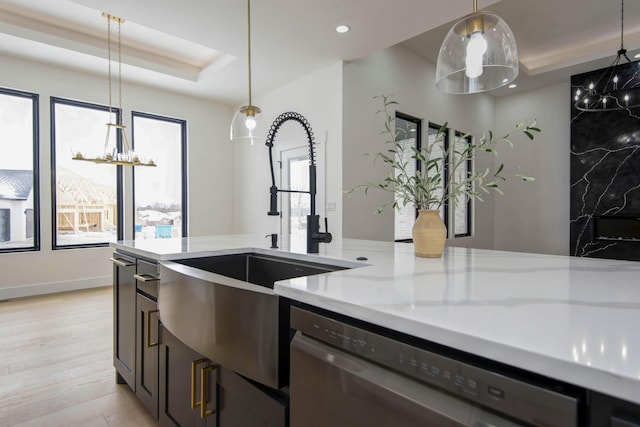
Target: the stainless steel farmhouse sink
pixel 259 269
pixel 224 307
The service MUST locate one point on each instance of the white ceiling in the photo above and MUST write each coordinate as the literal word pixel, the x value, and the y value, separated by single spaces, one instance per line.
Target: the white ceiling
pixel 199 47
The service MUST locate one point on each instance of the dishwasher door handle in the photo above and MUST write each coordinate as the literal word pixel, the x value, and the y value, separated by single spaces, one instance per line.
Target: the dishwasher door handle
pixel 392 391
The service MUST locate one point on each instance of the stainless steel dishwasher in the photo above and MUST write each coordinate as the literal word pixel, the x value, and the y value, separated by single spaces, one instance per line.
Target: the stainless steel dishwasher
pixel 346 375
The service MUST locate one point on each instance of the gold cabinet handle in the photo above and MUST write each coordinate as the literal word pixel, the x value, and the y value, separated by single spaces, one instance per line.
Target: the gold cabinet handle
pixel 145 278
pixel 194 368
pixel 149 343
pixel 204 385
pixel 121 262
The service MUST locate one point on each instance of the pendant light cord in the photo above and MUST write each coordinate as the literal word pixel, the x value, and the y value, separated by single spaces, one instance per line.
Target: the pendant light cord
pixel 119 66
pixel 622 26
pixel 109 59
pixel 622 51
pixel 120 69
pixel 249 44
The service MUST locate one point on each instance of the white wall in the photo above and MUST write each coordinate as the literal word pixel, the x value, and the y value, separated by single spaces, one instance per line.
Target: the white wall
pixel 411 80
pixel 210 196
pixel 534 217
pixel 318 97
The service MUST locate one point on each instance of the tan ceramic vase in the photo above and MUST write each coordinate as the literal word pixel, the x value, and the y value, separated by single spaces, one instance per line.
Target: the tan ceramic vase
pixel 429 234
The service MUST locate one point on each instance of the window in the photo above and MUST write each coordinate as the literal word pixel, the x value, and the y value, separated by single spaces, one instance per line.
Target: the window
pixel 86 197
pixel 440 150
pixel 294 175
pixel 408 133
pixel 160 192
pixel 462 203
pixel 19 179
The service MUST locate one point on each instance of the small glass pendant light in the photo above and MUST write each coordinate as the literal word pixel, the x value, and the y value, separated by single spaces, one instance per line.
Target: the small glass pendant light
pixel 248 124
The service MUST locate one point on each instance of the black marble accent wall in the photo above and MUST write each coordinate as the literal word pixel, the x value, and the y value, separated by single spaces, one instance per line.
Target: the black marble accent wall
pixel 605 173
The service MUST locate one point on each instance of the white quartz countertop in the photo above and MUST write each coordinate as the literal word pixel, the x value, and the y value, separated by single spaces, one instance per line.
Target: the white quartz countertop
pixel 573 319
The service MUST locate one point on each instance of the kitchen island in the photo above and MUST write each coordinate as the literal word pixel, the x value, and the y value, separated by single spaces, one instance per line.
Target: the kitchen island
pixel 571 319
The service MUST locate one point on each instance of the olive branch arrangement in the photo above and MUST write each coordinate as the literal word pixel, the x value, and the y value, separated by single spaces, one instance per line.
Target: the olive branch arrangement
pixel 423 187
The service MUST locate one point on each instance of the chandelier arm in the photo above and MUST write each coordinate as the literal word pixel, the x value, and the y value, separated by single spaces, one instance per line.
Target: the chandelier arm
pixel 106 139
pixel 609 78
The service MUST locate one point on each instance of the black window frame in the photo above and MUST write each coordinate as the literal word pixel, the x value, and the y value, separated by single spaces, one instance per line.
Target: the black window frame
pixel 35 104
pixel 183 165
pixel 119 173
pixel 418 137
pixel 445 170
pixel 468 171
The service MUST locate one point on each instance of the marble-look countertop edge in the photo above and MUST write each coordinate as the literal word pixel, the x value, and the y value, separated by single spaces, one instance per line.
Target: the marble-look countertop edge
pixel 542 364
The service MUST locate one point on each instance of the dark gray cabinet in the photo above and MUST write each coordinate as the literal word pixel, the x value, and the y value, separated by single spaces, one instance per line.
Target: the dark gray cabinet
pixel 184 377
pixel 124 316
pixel 611 412
pixel 245 403
pixel 135 327
pixel 231 400
pixel 171 379
pixel 147 334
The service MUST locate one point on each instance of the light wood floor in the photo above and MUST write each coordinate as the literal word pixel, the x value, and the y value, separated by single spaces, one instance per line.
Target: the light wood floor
pixel 56 364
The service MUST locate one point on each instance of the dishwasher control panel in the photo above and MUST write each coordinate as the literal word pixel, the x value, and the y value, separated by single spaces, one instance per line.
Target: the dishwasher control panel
pixel 541 406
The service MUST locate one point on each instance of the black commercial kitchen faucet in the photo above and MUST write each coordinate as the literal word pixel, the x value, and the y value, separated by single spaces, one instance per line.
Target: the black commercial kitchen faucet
pixel 314 236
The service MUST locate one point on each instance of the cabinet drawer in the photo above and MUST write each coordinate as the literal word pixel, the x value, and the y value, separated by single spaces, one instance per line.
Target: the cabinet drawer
pixel 147 278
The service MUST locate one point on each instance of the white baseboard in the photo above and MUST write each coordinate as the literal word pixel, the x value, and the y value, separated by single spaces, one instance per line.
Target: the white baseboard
pixel 54 287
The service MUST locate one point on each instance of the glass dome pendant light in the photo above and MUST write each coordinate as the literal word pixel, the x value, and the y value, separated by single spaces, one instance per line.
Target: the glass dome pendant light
pixel 248 123
pixel 478 54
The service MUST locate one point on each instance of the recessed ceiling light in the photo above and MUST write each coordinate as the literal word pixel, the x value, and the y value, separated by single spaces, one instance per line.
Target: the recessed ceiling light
pixel 343 29
pixel 637 56
pixel 513 85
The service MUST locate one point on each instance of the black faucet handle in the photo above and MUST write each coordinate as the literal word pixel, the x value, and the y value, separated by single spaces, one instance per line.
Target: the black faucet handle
pixel 326 236
pixel 273 202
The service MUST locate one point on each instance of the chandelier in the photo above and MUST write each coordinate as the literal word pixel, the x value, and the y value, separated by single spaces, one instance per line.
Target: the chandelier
pixel 111 155
pixel 616 88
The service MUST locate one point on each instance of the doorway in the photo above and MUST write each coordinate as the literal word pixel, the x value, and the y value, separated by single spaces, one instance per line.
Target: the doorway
pixel 294 175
